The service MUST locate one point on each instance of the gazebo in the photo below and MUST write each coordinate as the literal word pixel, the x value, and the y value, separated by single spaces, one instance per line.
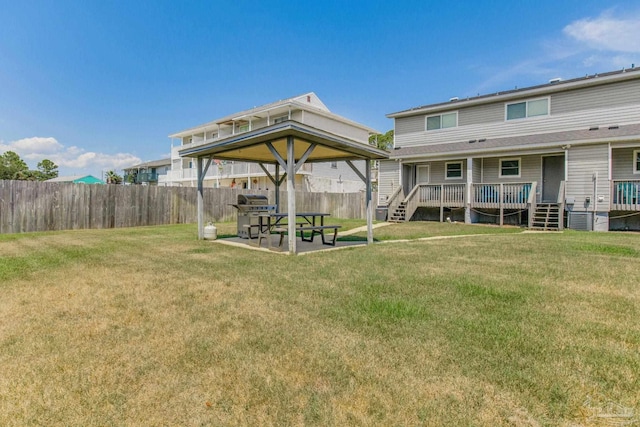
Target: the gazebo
pixel 287 145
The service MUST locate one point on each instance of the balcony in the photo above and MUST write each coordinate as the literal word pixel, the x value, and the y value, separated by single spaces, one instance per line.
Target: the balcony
pixel 141 178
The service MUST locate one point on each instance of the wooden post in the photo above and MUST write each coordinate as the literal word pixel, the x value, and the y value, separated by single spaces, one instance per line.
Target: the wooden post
pixel 291 195
pixel 501 195
pixel 441 201
pixel 368 201
pixel 468 190
pixel 200 200
pixel 277 184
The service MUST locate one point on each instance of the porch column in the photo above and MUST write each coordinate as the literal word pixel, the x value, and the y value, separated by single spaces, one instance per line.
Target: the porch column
pixel 468 192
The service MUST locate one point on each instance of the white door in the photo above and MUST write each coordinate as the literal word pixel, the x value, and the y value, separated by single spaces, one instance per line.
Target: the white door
pixel 422 174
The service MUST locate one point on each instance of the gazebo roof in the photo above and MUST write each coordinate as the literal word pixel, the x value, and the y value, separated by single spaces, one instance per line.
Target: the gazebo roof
pixel 253 146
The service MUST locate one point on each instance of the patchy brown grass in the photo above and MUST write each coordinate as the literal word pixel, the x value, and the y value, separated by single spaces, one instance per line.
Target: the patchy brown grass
pixel 149 326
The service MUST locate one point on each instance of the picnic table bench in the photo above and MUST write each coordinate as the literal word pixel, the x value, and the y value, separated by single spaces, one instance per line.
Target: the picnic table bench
pixel 271 223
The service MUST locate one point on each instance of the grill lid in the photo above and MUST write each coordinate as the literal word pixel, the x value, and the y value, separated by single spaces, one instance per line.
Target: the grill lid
pixel 252 199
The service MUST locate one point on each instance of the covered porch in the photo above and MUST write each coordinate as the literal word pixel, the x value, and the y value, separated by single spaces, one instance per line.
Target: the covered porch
pixel 480 189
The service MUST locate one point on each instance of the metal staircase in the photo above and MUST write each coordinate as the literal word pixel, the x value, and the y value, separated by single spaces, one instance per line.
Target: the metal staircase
pixel 548 217
pixel 399 214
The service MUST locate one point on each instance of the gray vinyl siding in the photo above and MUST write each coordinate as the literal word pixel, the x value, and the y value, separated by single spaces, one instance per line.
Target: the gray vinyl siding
pixel 610 95
pixel 530 169
pixel 490 113
pixel 411 124
pixel 622 163
pixel 477 170
pixel 388 175
pixel 336 127
pixel 603 105
pixel 437 172
pixel 583 162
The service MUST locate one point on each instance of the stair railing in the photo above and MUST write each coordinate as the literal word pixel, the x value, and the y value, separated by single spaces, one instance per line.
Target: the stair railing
pixel 395 199
pixel 412 200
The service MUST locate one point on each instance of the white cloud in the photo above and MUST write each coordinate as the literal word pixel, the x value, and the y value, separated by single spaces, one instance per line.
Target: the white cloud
pixel 35 149
pixel 607 33
pixel 585 46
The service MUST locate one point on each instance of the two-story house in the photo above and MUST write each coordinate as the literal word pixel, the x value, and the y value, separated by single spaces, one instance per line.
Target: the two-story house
pixel 562 153
pixel 147 173
pixel 314 177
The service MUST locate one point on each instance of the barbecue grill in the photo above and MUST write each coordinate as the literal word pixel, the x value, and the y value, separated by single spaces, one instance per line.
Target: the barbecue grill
pixel 249 206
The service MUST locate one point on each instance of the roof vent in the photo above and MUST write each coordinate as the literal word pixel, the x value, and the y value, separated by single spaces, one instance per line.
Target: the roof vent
pixel 594 128
pixel 482 139
pixel 555 80
pixel 614 127
pixel 471 141
pixel 455 98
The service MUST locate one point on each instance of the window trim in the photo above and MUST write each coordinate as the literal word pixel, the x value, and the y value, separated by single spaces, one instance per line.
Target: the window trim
pixel 506 159
pixel 636 157
pixel 526 103
pixel 423 166
pixel 440 115
pixel 446 170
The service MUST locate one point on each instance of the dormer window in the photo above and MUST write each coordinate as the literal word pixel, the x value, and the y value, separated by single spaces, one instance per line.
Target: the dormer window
pixel 524 109
pixel 442 121
pixel 280 119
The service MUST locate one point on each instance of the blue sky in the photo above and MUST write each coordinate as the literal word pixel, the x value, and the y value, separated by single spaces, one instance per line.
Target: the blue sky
pixel 98 85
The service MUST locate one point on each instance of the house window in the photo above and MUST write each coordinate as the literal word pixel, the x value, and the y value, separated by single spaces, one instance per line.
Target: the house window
pixel 442 121
pixel 453 170
pixel 636 161
pixel 509 168
pixel 280 119
pixel 243 128
pixel 334 165
pixel 533 108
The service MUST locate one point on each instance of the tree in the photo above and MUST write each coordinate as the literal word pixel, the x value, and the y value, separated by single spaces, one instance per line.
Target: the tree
pixel 47 170
pixel 113 178
pixel 382 141
pixel 11 165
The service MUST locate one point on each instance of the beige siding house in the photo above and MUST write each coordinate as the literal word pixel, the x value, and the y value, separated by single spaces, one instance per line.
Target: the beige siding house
pixel 565 153
pixel 314 177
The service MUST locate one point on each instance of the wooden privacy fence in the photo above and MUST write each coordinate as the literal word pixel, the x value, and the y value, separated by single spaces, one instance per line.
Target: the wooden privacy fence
pixel 27 206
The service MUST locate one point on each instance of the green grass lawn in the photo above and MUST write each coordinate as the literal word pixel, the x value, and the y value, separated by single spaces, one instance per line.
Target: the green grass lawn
pixel 149 326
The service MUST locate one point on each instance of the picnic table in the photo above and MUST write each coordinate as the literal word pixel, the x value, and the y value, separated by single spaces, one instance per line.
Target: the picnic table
pixel 313 222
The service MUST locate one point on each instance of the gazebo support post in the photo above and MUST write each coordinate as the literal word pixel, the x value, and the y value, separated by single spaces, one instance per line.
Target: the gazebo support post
pixel 368 201
pixel 368 208
pixel 277 184
pixel 291 195
pixel 201 173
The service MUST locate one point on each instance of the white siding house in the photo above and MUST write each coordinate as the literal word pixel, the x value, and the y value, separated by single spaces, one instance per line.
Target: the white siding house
pixel 561 153
pixel 314 177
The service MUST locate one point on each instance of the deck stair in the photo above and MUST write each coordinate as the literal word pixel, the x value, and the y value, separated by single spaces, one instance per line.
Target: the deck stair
pixel 547 216
pixel 399 214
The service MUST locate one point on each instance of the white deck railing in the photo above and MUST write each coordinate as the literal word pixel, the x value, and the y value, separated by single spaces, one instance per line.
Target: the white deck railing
pixel 506 196
pixel 625 195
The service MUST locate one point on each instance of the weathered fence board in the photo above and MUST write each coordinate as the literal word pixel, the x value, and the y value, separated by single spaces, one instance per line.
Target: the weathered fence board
pixel 27 206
